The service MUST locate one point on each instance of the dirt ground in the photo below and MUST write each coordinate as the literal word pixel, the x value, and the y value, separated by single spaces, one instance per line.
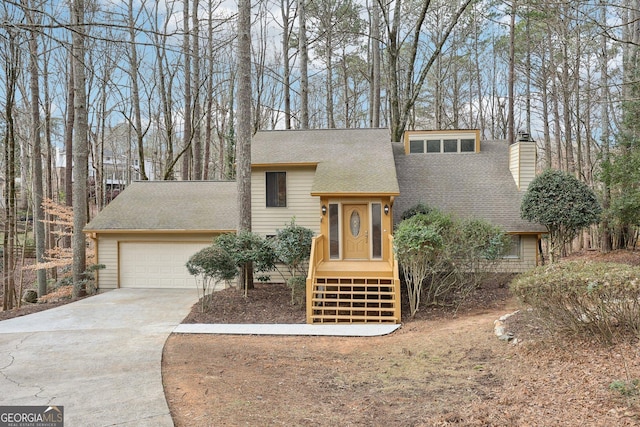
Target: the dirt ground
pixel 445 367
pixel 442 368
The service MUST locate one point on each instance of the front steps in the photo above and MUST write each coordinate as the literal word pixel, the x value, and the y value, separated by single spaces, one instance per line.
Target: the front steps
pixel 354 300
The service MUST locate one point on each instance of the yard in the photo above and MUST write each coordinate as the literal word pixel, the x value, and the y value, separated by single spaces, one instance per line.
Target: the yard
pixel 442 368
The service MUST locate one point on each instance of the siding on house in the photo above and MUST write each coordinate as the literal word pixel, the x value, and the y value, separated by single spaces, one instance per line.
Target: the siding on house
pixel 300 204
pixel 527 259
pixel 522 163
pixel 108 255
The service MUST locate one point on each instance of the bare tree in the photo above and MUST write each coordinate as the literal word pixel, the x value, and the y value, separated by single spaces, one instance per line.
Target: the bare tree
pixel 11 64
pixel 286 8
pixel 195 85
pixel 68 136
pixel 407 74
pixel 605 238
pixel 188 119
pixel 80 147
pixel 36 129
pixel 375 77
pixel 135 91
pixel 303 48
pixel 511 134
pixel 243 150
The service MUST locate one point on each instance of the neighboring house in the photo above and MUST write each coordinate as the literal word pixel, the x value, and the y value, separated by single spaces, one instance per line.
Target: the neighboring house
pixel 117 170
pixel 349 186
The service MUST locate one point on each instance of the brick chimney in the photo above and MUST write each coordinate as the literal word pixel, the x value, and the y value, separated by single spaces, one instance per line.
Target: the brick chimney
pixel 522 160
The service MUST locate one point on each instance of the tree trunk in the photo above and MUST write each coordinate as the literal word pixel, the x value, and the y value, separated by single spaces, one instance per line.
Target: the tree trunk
pixel 243 142
pixel 135 92
pixel 68 140
pixel 304 60
pixel 195 85
pixel 285 10
pixel 38 186
pixel 605 238
pixel 164 84
pixel 12 64
pixel 80 150
pixel 375 67
pixel 208 139
pixel 329 87
pixel 186 53
pixel 49 161
pixel 511 80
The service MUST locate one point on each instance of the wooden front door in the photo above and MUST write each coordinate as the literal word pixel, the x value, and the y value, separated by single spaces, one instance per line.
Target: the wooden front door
pixel 355 228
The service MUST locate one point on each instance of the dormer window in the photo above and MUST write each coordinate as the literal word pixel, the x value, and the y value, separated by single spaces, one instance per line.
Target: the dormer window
pixel 462 141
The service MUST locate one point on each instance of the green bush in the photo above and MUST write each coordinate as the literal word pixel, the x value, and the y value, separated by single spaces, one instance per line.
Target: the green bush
pixel 563 204
pixel 594 301
pixel 229 253
pixel 248 250
pixel 420 208
pixel 442 258
pixel 210 265
pixel 417 243
pixel 292 247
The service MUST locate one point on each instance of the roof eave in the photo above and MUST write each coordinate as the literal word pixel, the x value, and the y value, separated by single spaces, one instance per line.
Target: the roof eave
pixel 284 164
pixel 155 231
pixel 355 193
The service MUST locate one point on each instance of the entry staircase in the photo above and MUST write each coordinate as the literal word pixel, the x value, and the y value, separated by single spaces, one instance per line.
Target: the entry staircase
pixel 352 291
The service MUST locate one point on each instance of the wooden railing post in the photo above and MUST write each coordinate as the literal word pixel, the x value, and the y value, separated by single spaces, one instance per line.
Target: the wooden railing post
pixel 396 281
pixel 316 257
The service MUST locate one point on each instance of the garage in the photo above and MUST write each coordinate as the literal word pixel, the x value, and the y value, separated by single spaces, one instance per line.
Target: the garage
pixel 146 235
pixel 157 264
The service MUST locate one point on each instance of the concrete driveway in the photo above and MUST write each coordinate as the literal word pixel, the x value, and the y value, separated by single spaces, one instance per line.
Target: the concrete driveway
pixel 99 357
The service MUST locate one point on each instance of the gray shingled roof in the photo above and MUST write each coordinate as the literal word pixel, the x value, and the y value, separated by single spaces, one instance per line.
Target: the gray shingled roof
pixel 468 185
pixel 172 206
pixel 348 160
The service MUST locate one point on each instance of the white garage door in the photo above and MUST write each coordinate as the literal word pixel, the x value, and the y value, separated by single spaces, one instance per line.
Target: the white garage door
pixel 157 264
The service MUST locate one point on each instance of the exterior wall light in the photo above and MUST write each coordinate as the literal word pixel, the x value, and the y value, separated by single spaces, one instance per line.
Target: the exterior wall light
pixel 386 209
pixel 324 210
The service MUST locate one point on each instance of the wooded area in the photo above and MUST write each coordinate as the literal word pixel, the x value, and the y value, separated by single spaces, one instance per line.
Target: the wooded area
pixel 127 90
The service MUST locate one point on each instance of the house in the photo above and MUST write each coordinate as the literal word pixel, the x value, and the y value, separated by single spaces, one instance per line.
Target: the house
pixel 349 186
pixel 118 170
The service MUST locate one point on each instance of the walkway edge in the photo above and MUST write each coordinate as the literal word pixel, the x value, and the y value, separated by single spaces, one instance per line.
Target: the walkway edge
pixel 342 330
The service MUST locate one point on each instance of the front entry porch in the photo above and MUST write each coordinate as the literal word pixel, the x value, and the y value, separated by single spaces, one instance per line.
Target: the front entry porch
pixel 364 291
pixel 353 275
